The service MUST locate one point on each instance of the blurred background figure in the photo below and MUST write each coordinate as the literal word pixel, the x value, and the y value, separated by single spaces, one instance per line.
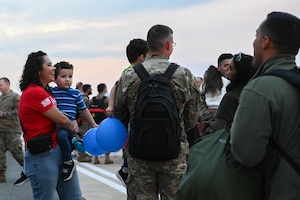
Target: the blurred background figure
pixel 199 81
pixel 212 88
pixel 97 107
pixel 10 128
pixel 83 123
pixel 79 86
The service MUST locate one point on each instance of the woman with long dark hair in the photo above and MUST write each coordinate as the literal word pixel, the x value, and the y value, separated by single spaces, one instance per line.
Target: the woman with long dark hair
pixel 239 73
pixel 39 118
pixel 212 88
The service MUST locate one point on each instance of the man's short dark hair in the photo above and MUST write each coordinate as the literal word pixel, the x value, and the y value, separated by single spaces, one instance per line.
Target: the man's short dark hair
pixel 224 56
pixel 101 87
pixel 284 31
pixel 157 35
pixel 135 48
pixel 62 65
pixel 86 87
pixel 79 85
pixel 5 80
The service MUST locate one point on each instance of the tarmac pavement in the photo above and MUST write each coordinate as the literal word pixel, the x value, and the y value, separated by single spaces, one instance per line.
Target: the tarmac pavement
pixel 96 181
pixel 7 190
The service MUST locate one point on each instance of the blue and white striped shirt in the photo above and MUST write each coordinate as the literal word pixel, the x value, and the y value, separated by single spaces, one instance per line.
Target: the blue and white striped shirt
pixel 68 101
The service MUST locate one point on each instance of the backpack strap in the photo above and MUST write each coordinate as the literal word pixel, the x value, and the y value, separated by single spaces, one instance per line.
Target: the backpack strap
pixel 94 99
pixel 276 147
pixel 141 71
pixel 170 71
pixel 293 77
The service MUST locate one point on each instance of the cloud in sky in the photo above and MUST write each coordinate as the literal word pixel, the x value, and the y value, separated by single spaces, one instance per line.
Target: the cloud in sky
pixel 92 35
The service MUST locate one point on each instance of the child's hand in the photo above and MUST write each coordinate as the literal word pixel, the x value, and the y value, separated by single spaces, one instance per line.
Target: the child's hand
pixel 109 111
pixel 95 125
pixel 75 126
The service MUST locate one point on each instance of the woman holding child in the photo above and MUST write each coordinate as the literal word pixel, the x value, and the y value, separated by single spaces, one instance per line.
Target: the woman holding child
pixel 40 117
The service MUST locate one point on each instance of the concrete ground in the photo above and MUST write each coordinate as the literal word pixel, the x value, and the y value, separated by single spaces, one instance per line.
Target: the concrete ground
pixel 97 181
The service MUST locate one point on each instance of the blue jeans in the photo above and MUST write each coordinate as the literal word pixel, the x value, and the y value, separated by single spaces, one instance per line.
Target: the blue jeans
pixel 125 163
pixel 44 171
pixel 63 139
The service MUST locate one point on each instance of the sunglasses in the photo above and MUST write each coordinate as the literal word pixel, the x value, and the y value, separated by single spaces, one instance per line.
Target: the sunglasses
pixel 238 57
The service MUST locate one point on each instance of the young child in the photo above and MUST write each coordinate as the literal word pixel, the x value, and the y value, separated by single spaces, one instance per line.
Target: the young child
pixel 68 101
pixel 136 52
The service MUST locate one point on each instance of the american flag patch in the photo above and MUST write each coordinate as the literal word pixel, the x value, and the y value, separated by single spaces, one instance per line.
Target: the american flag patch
pixel 46 102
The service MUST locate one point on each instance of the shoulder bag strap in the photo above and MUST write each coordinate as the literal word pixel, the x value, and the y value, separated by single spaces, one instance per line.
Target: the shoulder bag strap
pixel 276 147
pixel 293 77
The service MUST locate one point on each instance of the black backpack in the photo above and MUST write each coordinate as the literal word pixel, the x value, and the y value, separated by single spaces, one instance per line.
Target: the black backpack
pixel 155 128
pixel 97 109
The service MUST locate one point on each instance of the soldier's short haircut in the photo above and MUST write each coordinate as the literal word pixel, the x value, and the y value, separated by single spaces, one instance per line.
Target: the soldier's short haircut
pixel 101 87
pixel 224 56
pixel 284 31
pixel 5 80
pixel 79 85
pixel 85 87
pixel 157 36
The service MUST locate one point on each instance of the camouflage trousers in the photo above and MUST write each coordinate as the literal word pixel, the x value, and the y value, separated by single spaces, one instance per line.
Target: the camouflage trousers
pixel 148 180
pixel 11 141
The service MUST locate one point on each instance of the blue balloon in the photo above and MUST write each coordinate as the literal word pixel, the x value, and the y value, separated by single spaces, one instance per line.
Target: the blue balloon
pixel 90 144
pixel 111 135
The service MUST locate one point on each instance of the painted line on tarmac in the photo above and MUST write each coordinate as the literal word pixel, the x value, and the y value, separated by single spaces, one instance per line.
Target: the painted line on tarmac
pixel 100 170
pixel 101 179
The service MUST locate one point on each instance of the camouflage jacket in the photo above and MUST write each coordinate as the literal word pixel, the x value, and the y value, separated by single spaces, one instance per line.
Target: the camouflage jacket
pixel 9 103
pixel 82 123
pixel 186 93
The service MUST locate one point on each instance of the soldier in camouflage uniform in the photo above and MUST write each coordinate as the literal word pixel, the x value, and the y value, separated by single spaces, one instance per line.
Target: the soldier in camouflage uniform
pixel 10 129
pixel 83 124
pixel 102 90
pixel 149 178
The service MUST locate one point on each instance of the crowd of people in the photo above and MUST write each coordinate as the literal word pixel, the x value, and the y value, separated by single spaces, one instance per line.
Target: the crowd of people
pixel 235 92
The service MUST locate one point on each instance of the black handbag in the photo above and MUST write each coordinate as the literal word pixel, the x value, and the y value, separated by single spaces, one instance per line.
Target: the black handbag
pixel 40 144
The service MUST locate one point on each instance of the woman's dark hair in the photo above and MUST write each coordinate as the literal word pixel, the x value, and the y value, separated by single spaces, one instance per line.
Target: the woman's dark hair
pixel 33 66
pixel 212 81
pixel 244 71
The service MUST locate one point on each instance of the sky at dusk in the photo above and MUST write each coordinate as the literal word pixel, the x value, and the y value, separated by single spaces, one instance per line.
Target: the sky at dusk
pixel 93 34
